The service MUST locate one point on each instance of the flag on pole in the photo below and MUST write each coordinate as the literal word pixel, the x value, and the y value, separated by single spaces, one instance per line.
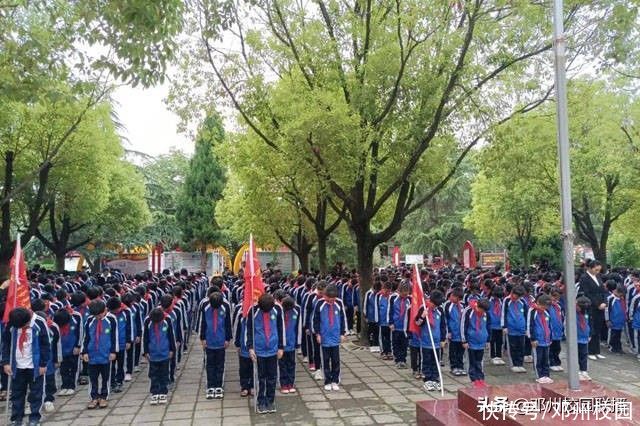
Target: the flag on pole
pixel 253 284
pixel 18 292
pixel 417 299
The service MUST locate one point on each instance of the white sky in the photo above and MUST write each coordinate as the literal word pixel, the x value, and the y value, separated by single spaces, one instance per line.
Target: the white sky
pixel 148 125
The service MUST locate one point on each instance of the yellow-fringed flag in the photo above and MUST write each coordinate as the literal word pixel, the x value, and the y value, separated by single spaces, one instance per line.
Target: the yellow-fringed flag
pixel 18 292
pixel 253 284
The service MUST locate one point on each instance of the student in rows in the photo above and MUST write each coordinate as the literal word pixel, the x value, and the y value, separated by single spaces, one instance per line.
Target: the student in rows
pixel 495 315
pixel 514 326
pixel 383 302
pixel 475 331
pixel 583 307
pixel 245 368
pixel 399 324
pixel 99 349
pixel 329 329
pixel 41 307
pixel 158 347
pixel 539 332
pixel 615 315
pixel 215 335
pixel 293 332
pixel 266 340
pixel 125 338
pixel 370 310
pixel 556 322
pixel 70 325
pixel 26 351
pixel 315 355
pixel 453 315
pixel 430 319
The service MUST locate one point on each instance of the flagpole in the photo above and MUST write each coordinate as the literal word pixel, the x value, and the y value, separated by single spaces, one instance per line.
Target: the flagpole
pixel 433 346
pixel 253 326
pixel 16 276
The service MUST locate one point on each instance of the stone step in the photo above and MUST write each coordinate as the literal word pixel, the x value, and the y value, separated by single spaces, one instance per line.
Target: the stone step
pixel 470 401
pixel 442 413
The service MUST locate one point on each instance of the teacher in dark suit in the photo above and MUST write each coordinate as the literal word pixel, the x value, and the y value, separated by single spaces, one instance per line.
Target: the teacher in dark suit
pixel 591 286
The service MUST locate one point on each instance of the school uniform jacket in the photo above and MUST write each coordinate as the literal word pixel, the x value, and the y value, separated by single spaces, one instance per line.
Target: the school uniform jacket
pixel 265 331
pixel 125 327
pixel 436 322
pixel 556 315
pixel 329 321
pixel 158 340
pixel 240 331
pixel 292 328
pixel 495 313
pixel 453 316
pixel 384 308
pixel 40 345
pixel 215 326
pixel 400 307
pixel 71 335
pixel 475 328
pixel 539 327
pixel 100 339
pixel 634 312
pixel 514 316
pixel 370 306
pixel 584 329
pixel 616 312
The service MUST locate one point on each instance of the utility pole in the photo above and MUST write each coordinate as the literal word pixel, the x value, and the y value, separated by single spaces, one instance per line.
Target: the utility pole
pixel 559 43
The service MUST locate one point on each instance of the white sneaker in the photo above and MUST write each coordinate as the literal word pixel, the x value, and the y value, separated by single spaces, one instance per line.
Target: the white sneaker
pixel 70 392
pixel 556 368
pixel 592 357
pixel 528 359
pixel 127 377
pixel 62 392
pixel 162 399
pixel 600 356
pixel 494 361
pixel 327 387
pixel 335 387
pixel 153 400
pixel 499 361
pixel 429 386
pixel 584 376
pixel 318 375
pixel 48 407
pixel 375 349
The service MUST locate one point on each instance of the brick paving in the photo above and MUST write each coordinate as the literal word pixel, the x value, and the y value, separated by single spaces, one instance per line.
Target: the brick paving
pixel 372 392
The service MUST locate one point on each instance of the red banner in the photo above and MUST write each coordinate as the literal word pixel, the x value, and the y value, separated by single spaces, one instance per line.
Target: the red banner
pixel 253 284
pixel 396 256
pixel 417 299
pixel 18 292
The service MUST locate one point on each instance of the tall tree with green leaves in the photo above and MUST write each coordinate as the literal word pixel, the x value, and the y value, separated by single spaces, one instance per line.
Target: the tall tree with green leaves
pixel 203 186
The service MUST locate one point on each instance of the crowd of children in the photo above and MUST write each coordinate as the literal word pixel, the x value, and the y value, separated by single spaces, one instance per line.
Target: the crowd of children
pixel 95 329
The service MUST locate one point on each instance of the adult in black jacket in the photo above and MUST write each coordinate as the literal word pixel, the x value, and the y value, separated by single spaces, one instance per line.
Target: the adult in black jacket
pixel 592 287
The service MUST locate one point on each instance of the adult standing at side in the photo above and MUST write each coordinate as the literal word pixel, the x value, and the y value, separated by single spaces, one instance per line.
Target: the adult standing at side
pixel 592 287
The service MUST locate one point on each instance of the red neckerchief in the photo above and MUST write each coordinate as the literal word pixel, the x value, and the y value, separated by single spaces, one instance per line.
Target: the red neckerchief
pixel 624 306
pixel 582 322
pixel 64 330
pixel 496 306
pixel 473 304
pixel 403 306
pixel 23 337
pixel 543 320
pixel 331 318
pixel 98 332
pixel 514 306
pixel 147 296
pixel 287 314
pixel 429 306
pixel 214 320
pixel 557 309
pixel 266 321
pixel 156 328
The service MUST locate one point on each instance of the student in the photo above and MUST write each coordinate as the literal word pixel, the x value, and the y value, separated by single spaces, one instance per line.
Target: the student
pixel 416 357
pixel 313 349
pixel 453 315
pixel 514 326
pixel 79 303
pixel 158 346
pixel 265 340
pixel 99 349
pixel 556 322
pixel 430 319
pixel 135 311
pixel 245 368
pixel 583 306
pixel 530 301
pixel 70 341
pixel 26 351
pixel 475 331
pixel 399 324
pixel 495 314
pixel 292 330
pixel 122 317
pixel 370 310
pixel 175 317
pixel 215 335
pixel 329 329
pixel 384 310
pixel 615 315
pixel 539 331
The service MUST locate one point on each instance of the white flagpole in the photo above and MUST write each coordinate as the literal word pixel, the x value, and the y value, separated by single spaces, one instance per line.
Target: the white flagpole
pixel 433 346
pixel 256 376
pixel 16 275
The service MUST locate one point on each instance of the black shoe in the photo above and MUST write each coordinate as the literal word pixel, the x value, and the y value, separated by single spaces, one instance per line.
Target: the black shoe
pixel 117 388
pixel 262 409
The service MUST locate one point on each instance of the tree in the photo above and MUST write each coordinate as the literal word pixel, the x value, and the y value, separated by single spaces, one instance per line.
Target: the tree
pixel 379 98
pixel 203 186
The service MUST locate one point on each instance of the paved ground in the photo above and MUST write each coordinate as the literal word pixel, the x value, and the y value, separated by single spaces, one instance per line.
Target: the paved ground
pixel 373 392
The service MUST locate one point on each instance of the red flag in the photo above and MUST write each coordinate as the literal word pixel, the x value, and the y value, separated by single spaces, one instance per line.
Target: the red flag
pixel 253 284
pixel 417 299
pixel 18 292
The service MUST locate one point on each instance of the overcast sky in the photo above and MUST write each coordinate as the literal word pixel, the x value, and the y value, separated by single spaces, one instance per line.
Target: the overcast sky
pixel 149 126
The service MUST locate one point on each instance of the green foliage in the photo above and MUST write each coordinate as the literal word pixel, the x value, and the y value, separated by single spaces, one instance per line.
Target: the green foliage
pixel 624 252
pixel 203 186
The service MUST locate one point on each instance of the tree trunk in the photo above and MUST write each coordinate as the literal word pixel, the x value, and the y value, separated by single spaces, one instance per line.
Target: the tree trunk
pixel 303 257
pixel 203 257
pixel 5 230
pixel 322 253
pixel 364 250
pixel 60 261
pixel 600 253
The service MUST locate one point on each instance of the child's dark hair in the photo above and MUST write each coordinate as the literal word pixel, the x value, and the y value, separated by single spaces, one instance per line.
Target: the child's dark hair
pixel 436 297
pixel 288 303
pixel 279 294
pixel 483 304
pixel 457 292
pixel 543 300
pixel 266 302
pixel 156 315
pixel 38 305
pixel 321 285
pixel 166 301
pixel 497 292
pixel 19 317
pixel 114 303
pixel 611 285
pixel 620 289
pixel 215 299
pixel 62 317
pixel 518 291
pixel 331 291
pixel 96 307
pixel 78 298
pixel 583 303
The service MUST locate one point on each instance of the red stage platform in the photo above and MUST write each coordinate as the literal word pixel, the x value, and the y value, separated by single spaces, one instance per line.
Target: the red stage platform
pixel 526 404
